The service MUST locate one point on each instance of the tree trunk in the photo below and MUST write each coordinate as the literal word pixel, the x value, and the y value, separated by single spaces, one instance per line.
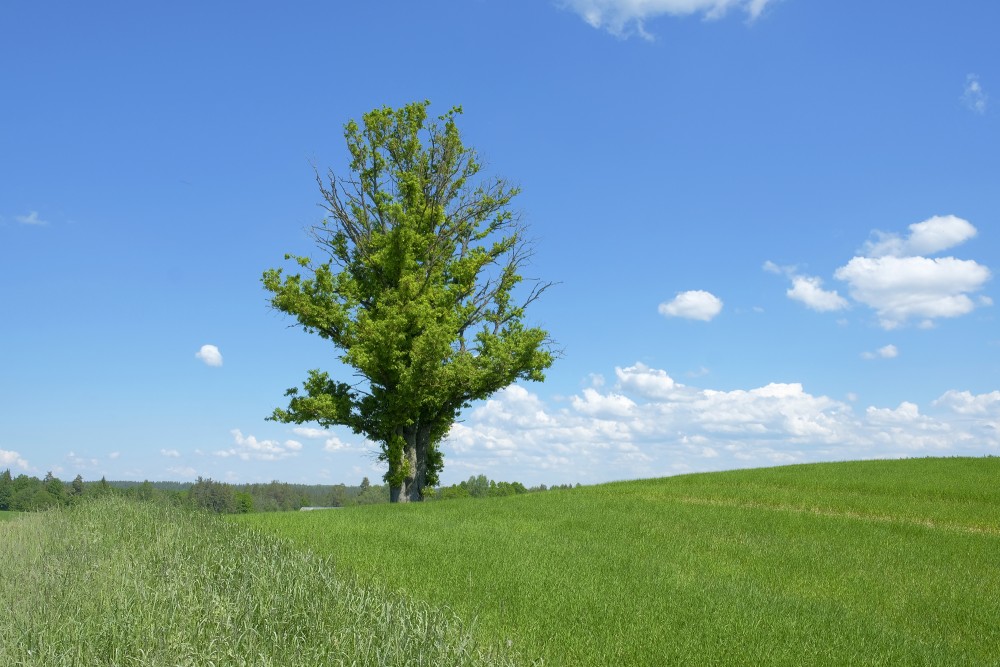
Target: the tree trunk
pixel 415 451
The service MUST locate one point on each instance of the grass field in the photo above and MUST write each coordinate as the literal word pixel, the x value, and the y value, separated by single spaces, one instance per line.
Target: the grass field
pixel 874 562
pixel 123 583
pixel 6 516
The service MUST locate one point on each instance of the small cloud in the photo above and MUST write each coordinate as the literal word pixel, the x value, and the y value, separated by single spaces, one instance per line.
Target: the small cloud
pixel 183 471
pixel 248 447
pixel 31 219
pixel 887 352
pixel 335 444
pixel 114 455
pixel 809 290
pixel 79 462
pixel 10 458
pixel 313 433
pixel 623 18
pixel 692 305
pixel 925 238
pixel 701 372
pixel 170 453
pixel 210 355
pixel 974 97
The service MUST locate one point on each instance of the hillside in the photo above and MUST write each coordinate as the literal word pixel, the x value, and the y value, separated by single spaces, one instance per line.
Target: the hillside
pixel 891 562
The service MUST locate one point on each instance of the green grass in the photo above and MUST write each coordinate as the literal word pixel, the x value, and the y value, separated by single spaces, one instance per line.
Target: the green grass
pixel 7 516
pixel 851 563
pixel 115 582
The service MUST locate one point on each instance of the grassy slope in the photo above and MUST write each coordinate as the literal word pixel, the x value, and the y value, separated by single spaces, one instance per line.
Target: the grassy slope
pixel 115 582
pixel 864 563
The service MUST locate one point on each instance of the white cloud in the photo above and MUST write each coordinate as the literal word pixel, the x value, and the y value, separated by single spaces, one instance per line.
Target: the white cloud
pixel 311 433
pixel 692 305
pixel 335 444
pixel 625 17
pixel 210 355
pixel 886 352
pixel 974 97
pixel 81 462
pixel 966 403
pixel 114 455
pixel 649 425
pixel 170 453
pixel 183 471
pixel 926 238
pixel 10 458
pixel 904 288
pixel 893 275
pixel 809 290
pixel 248 447
pixel 31 219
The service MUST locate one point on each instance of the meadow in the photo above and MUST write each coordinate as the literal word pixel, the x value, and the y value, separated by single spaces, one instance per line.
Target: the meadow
pixel 6 516
pixel 124 582
pixel 877 562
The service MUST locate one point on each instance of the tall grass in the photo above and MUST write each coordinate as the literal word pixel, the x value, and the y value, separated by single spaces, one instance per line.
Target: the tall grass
pixel 7 516
pixel 115 582
pixel 861 563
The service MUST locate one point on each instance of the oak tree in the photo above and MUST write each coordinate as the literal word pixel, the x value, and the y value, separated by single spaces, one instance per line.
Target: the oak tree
pixel 419 288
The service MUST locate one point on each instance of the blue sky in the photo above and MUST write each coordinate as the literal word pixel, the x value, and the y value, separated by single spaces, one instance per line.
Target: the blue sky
pixel 773 224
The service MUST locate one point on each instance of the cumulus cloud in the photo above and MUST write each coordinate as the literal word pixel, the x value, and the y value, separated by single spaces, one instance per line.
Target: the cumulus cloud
pixel 170 453
pixel 903 288
pixel 250 448
pixel 13 459
pixel 31 219
pixel 649 425
pixel 692 305
pixel 809 290
pixel 332 442
pixel 925 238
pixel 974 97
pixel 623 18
pixel 887 352
pixel 183 471
pixel 210 355
pixel 896 276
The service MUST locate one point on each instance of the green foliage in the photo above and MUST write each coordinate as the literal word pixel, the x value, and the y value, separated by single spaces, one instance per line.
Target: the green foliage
pixel 478 487
pixel 6 490
pixel 854 563
pixel 116 581
pixel 417 291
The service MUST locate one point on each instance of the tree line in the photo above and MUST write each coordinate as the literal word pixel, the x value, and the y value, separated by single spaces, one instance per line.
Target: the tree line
pixel 26 494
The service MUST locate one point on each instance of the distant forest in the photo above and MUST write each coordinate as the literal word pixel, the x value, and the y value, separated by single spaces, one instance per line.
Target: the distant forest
pixel 26 494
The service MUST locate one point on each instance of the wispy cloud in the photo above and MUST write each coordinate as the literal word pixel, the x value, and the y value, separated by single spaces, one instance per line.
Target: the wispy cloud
pixel 170 453
pixel 692 305
pixel 624 18
pixel 974 97
pixel 886 352
pixel 31 219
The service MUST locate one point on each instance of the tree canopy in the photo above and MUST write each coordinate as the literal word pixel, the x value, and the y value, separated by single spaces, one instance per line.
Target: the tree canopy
pixel 418 289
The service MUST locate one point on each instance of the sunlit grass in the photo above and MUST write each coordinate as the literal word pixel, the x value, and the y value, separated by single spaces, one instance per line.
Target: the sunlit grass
pixel 116 582
pixel 7 516
pixel 855 563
